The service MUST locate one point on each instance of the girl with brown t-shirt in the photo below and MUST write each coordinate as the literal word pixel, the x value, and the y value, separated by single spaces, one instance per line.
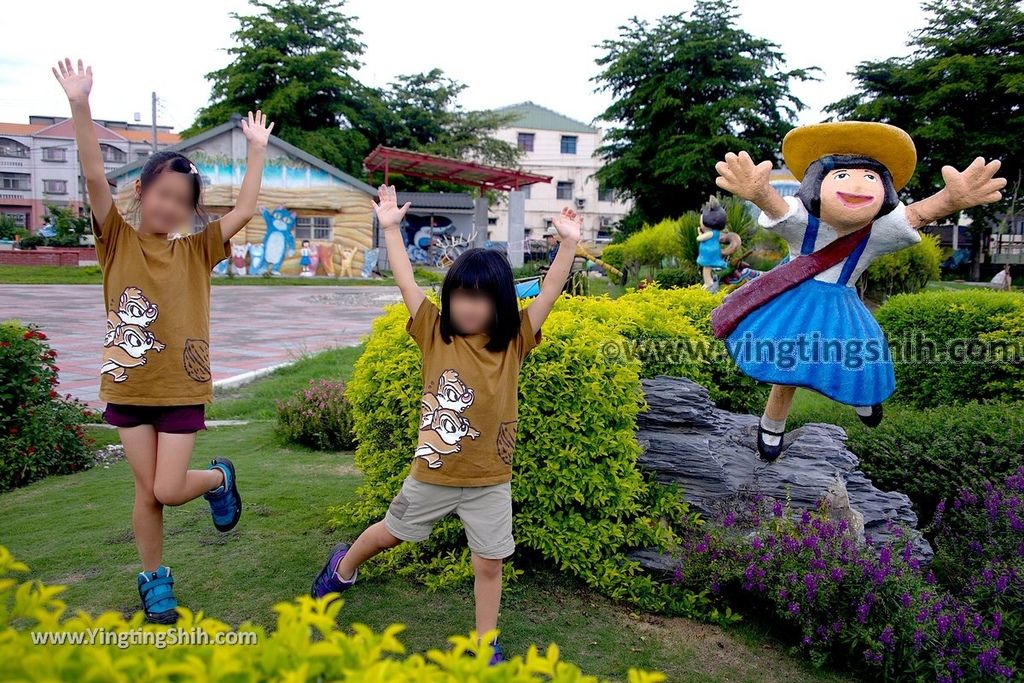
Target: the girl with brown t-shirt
pixel 155 371
pixel 473 346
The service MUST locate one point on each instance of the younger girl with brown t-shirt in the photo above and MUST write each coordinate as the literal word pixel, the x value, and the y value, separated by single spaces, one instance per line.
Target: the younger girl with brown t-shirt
pixel 473 346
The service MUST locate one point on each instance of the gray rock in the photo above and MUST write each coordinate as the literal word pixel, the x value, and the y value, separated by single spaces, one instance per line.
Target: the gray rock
pixel 712 455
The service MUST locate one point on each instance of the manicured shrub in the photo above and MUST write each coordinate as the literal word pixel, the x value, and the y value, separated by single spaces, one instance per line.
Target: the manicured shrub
pixel 678 277
pixel 305 645
pixel 40 432
pixel 614 255
pixel 931 454
pixel 951 347
pixel 871 609
pixel 319 417
pixel 979 541
pixel 581 502
pixel 904 272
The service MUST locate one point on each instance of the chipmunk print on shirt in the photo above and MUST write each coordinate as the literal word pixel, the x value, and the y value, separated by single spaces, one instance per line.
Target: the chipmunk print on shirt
pixel 442 424
pixel 127 340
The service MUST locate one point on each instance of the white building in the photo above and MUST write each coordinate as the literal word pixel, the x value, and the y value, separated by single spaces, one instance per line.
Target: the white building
pixel 39 162
pixel 561 147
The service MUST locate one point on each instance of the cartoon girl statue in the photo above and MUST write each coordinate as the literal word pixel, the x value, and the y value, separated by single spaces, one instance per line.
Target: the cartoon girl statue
pixel 304 260
pixel 709 238
pixel 802 323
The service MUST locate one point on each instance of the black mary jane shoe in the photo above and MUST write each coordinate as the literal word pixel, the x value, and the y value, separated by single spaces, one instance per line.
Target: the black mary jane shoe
pixel 874 418
pixel 764 451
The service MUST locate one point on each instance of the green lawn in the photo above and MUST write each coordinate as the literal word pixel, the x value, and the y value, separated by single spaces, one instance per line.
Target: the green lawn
pixel 91 275
pixel 76 531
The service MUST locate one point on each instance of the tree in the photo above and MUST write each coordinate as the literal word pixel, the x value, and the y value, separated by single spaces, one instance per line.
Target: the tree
pixel 687 90
pixel 296 60
pixel 958 94
pixel 69 227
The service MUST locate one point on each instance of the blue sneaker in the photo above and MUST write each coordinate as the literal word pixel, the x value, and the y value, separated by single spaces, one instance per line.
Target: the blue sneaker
pixel 225 503
pixel 328 581
pixel 156 591
pixel 499 654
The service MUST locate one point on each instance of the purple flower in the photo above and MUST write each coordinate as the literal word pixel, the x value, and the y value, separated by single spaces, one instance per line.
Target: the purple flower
pixel 886 637
pixel 777 508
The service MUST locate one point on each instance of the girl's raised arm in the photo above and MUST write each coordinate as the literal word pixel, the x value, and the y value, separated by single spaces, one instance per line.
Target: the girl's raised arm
pixel 257 134
pixel 390 215
pixel 568 225
pixel 77 85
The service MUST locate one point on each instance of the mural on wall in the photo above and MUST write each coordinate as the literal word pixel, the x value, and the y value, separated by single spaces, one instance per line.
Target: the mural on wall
pixel 238 252
pixel 278 241
pixel 306 191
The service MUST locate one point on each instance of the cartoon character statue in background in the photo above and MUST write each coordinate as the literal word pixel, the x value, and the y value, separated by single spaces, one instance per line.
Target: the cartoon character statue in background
pixel 304 259
pixel 279 241
pixel 802 324
pixel 709 238
pixel 326 255
pixel 238 253
pixel 222 267
pixel 257 266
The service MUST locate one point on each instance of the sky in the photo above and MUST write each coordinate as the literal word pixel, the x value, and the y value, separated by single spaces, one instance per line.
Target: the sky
pixel 538 50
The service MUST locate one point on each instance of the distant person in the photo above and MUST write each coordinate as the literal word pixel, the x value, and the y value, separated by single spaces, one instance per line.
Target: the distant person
pixel 551 237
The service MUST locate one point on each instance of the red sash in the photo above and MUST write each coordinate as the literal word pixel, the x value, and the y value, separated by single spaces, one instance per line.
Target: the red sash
pixel 762 289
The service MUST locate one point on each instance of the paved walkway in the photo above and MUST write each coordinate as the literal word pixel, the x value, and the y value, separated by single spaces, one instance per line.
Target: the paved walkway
pixel 252 327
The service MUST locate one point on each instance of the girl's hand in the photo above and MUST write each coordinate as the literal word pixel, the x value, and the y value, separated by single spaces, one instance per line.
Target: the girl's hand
pixel 256 130
pixel 568 224
pixel 389 215
pixel 77 85
pixel 975 185
pixel 738 174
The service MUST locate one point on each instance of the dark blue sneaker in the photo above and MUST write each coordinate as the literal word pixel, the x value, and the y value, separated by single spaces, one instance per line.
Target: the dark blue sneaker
pixel 157 592
pixel 328 581
pixel 225 503
pixel 499 654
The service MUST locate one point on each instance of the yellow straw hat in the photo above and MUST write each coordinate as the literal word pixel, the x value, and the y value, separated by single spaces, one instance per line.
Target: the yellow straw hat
pixel 889 145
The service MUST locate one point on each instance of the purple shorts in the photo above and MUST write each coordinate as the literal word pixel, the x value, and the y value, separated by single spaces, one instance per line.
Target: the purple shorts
pixel 167 419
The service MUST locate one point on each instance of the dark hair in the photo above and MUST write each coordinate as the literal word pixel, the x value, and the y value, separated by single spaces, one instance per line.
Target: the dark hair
pixel 164 161
pixel 713 215
pixel 810 188
pixel 486 271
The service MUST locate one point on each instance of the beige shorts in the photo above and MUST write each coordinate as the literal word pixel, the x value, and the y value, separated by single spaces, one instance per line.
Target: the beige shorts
pixel 485 511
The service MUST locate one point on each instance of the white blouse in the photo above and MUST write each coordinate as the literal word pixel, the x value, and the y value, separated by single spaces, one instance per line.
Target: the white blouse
pixel 889 233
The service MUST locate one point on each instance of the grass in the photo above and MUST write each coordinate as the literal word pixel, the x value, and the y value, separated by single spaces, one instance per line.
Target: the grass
pixel 91 275
pixel 283 538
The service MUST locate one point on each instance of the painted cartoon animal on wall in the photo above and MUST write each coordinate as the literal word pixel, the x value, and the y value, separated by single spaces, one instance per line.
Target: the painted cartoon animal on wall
pixel 326 255
pixel 257 265
pixel 279 241
pixel 347 254
pixel 238 253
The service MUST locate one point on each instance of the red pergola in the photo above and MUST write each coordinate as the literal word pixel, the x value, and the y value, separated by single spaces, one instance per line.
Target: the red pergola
pixel 434 167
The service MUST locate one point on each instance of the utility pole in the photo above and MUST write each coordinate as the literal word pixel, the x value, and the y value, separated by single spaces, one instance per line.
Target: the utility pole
pixel 155 148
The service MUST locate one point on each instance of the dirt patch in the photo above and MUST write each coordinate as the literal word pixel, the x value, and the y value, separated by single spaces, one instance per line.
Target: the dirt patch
pixel 716 651
pixel 75 577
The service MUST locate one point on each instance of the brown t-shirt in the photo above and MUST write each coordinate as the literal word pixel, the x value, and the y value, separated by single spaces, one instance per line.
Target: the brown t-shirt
pixel 156 350
pixel 469 409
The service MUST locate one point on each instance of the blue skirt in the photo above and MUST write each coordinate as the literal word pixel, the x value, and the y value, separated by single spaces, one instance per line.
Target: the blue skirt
pixel 709 252
pixel 817 335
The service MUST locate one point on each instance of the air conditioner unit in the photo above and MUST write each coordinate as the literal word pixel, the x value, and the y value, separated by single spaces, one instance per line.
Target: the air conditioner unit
pixel 581 202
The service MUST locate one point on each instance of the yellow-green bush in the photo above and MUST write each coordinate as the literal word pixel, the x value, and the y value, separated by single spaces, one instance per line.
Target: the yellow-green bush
pixel 903 272
pixel 305 645
pixel 581 501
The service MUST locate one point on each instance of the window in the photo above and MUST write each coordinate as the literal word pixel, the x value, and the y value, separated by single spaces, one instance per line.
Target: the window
pixel 605 194
pixel 55 154
pixel 18 218
pixel 14 181
pixel 313 228
pixel 492 220
pixel 564 189
pixel 526 142
pixel 55 186
pixel 13 148
pixel 142 154
pixel 113 155
pixel 569 144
